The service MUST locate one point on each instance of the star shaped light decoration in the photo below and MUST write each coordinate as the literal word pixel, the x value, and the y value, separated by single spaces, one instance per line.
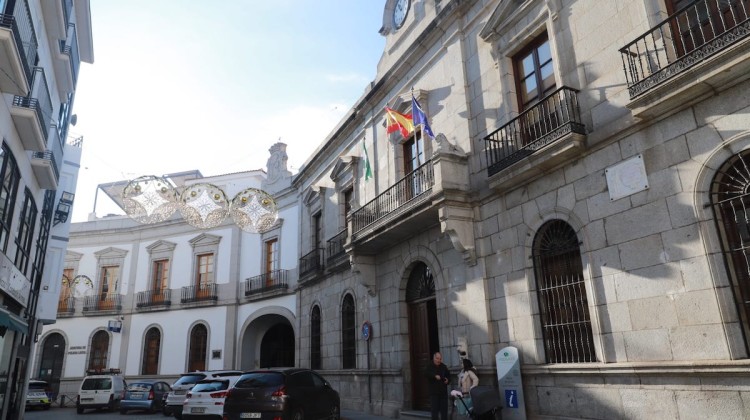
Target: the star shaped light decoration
pixel 149 199
pixel 204 205
pixel 254 210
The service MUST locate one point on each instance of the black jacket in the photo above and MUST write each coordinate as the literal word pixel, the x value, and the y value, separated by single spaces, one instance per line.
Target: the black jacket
pixel 437 387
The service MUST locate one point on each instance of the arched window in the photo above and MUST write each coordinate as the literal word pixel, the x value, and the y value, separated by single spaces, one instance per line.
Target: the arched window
pixel 315 338
pixel 730 196
pixel 99 350
pixel 563 307
pixel 198 345
pixel 348 334
pixel 151 347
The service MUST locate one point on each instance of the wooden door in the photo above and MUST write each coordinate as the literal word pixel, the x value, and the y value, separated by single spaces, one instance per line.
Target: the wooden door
pixel 421 322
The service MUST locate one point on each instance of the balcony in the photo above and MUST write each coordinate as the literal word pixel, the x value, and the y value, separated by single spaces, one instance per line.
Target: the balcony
pixel 202 293
pixel 32 114
pixel 337 258
pixel 541 138
pixel 102 304
pixel 699 50
pixel 266 285
pixel 18 50
pixel 56 16
pixel 45 169
pixel 68 62
pixel 311 265
pixel 66 307
pixel 153 299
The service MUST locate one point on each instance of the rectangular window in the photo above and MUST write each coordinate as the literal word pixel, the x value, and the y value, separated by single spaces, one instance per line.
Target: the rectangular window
pixel 108 286
pixel 535 73
pixel 348 197
pixel 8 190
pixel 160 275
pixel 24 236
pixel 205 274
pixel 66 291
pixel 317 231
pixel 272 257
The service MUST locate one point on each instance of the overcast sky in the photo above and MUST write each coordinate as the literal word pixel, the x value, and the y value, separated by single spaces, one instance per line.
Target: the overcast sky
pixel 178 85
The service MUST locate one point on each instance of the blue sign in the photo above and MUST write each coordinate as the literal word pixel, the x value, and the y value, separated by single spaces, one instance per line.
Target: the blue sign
pixel 511 398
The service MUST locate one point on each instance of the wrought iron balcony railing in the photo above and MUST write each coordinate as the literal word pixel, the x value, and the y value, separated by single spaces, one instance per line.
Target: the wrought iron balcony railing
pixel 688 37
pixel 273 280
pixel 66 306
pixel 408 191
pixel 39 100
pixel 549 120
pixel 199 293
pixel 150 298
pixel 311 262
pixel 102 303
pixel 22 27
pixel 48 155
pixel 69 47
pixel 336 245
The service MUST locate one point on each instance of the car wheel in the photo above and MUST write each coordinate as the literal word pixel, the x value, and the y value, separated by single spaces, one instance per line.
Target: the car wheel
pixel 46 407
pixel 165 411
pixel 79 410
pixel 123 411
pixel 298 414
pixel 178 416
pixel 335 413
pixel 152 408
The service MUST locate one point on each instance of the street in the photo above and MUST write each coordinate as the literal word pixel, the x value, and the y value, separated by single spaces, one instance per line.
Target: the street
pixel 69 413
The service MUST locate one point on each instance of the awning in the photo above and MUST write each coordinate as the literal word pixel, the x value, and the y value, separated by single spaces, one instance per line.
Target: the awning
pixel 13 322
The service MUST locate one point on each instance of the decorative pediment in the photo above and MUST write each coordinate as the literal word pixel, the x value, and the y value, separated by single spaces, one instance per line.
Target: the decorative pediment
pixel 205 239
pixel 72 256
pixel 502 23
pixel 161 246
pixel 344 170
pixel 313 195
pixel 111 253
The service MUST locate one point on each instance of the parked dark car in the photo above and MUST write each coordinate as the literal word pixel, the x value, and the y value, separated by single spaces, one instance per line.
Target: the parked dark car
pixel 144 394
pixel 290 393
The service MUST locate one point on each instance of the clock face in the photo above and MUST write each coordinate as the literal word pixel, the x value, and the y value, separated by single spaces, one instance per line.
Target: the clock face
pixel 400 11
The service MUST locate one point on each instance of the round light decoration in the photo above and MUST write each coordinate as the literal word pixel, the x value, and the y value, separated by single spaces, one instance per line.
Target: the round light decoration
pixel 204 205
pixel 254 210
pixel 149 199
pixel 152 199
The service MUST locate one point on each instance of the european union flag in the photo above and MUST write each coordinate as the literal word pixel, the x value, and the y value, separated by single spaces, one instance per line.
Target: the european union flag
pixel 419 118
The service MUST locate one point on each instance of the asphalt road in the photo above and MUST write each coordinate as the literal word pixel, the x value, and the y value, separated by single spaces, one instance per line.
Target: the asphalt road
pixel 69 413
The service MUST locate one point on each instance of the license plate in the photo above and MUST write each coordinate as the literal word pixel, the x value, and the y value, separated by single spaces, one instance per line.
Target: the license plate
pixel 136 395
pixel 249 415
pixel 87 399
pixel 180 392
pixel 198 410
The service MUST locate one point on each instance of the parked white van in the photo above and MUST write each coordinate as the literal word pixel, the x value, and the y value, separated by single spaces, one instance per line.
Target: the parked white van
pixel 101 389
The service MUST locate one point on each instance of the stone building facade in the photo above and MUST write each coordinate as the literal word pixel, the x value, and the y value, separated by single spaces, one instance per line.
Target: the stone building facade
pixel 583 200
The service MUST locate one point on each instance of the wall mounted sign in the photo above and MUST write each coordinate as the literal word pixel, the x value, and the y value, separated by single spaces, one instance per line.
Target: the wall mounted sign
pixel 626 178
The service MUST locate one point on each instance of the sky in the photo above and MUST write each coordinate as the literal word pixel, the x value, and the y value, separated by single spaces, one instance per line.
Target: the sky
pixel 178 85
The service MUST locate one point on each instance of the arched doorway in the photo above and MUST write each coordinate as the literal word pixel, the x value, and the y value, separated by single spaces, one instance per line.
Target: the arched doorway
pixel 423 330
pixel 277 347
pixel 198 348
pixel 99 351
pixel 50 366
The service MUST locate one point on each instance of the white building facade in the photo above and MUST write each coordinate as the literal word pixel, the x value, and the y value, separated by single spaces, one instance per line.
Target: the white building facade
pixel 158 300
pixel 42 45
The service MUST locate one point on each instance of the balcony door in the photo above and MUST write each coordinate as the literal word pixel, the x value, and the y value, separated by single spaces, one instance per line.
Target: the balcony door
pixel 160 280
pixel 535 79
pixel 272 261
pixel 204 276
pixel 698 22
pixel 108 287
pixel 423 330
pixel 414 158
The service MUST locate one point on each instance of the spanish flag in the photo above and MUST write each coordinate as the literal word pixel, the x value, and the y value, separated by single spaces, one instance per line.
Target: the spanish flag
pixel 396 121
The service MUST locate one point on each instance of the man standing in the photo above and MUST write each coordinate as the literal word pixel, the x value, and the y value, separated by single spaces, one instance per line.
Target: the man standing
pixel 438 378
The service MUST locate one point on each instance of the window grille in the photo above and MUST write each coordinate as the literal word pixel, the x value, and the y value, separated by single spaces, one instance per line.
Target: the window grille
pixel 563 306
pixel 315 338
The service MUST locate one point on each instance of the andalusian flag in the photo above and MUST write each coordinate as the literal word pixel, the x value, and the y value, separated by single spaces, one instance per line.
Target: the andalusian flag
pixel 397 121
pixel 368 169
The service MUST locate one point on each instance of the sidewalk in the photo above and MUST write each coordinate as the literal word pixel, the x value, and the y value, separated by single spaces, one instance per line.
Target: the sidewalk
pixel 359 415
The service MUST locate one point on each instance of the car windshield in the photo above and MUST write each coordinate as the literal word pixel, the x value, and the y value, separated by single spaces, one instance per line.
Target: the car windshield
pixel 189 379
pixel 37 386
pixel 139 386
pixel 96 384
pixel 212 385
pixel 260 379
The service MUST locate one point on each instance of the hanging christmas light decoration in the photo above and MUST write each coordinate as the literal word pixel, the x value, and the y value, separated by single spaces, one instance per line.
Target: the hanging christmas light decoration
pixel 254 210
pixel 152 199
pixel 149 199
pixel 204 205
